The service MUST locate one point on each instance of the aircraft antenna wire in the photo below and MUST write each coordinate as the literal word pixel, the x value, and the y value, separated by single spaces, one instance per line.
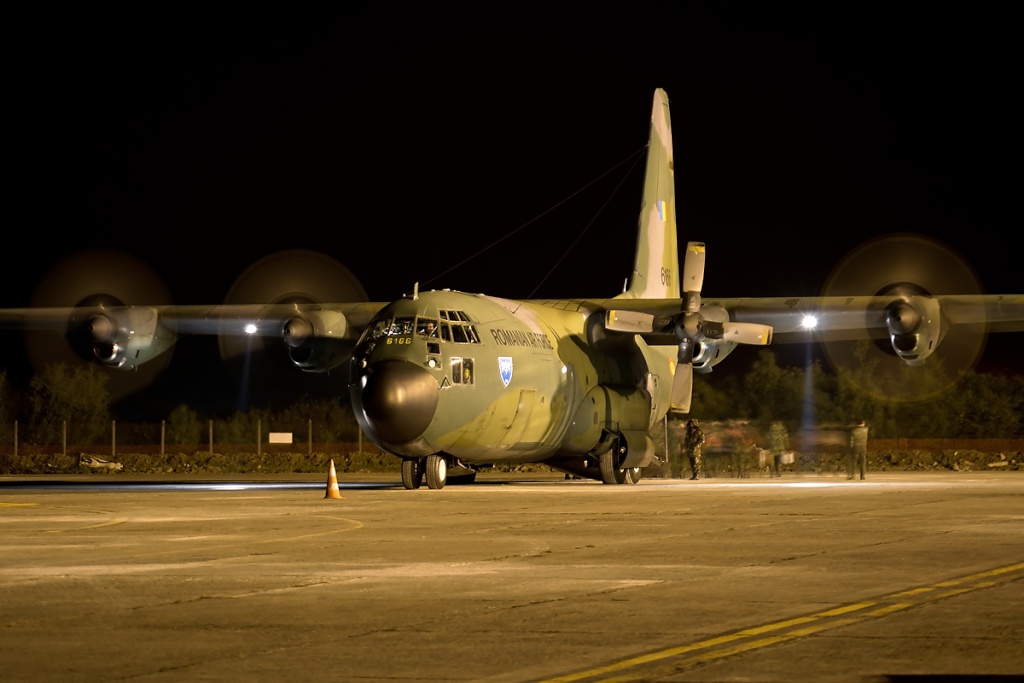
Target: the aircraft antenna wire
pixel 585 229
pixel 636 156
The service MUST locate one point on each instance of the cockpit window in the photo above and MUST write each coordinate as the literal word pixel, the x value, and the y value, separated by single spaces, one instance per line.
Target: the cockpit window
pixel 455 326
pixel 426 327
pixel 393 327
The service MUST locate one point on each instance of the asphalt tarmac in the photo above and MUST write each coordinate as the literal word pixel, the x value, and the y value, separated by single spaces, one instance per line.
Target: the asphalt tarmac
pixel 902 577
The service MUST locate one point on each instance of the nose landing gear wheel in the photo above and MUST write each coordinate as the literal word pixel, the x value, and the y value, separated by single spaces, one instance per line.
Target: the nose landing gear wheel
pixel 412 473
pixel 437 471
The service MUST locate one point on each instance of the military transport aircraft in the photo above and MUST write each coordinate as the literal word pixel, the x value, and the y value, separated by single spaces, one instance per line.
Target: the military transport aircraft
pixel 446 379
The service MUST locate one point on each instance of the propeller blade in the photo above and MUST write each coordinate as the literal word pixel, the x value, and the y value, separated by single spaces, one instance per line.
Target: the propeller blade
pixel 629 321
pixel 682 388
pixel 747 333
pixel 686 350
pixel 693 267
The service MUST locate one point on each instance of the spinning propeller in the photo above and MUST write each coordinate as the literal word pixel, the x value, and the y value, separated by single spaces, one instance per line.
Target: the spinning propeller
pixel 920 355
pixel 100 278
pixel 260 364
pixel 103 303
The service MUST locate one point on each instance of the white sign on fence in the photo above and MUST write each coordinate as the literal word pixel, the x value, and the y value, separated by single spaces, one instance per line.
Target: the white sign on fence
pixel 280 437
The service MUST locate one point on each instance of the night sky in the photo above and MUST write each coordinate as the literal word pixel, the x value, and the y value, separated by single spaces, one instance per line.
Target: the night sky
pixel 406 145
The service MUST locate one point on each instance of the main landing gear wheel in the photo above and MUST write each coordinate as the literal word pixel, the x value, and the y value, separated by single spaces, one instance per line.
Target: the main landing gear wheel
pixel 611 473
pixel 437 471
pixel 412 473
pixel 904 265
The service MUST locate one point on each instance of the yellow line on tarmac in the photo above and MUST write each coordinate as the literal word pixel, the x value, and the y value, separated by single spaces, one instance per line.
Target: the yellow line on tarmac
pixel 963 579
pixel 712 642
pixel 806 625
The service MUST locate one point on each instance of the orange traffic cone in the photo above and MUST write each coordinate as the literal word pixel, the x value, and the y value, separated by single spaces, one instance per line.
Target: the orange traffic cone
pixel 332 483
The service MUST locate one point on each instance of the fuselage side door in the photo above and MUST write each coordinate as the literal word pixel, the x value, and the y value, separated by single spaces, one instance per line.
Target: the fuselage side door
pixel 521 420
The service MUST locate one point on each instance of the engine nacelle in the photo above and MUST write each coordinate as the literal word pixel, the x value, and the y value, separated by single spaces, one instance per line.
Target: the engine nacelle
pixel 318 341
pixel 607 409
pixel 915 327
pixel 710 353
pixel 123 337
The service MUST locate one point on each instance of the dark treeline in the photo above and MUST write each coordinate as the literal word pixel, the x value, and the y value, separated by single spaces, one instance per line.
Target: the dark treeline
pixel 71 403
pixel 75 399
pixel 980 406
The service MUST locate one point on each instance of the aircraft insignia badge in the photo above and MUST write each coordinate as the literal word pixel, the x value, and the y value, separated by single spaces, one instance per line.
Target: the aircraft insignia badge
pixel 505 368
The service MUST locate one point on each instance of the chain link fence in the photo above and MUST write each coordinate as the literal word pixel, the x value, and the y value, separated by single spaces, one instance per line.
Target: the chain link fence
pixel 150 448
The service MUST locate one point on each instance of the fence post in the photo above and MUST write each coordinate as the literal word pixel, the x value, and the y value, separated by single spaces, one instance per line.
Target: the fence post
pixel 309 437
pixel 668 454
pixel 163 431
pixel 113 439
pixel 15 438
pixel 64 436
pixel 211 437
pixel 259 437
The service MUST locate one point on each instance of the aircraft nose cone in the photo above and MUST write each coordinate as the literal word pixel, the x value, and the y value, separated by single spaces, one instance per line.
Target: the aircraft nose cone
pixel 399 400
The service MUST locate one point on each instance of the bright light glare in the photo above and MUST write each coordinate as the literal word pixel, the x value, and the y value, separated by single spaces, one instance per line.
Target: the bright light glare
pixel 250 328
pixel 809 322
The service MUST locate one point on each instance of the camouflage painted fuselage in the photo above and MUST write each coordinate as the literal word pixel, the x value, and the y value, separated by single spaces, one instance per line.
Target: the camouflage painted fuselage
pixel 532 380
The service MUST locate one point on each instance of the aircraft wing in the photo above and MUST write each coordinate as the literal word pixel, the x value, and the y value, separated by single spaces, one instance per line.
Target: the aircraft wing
pixel 347 320
pixel 915 324
pixel 216 319
pixel 849 317
pixel 128 336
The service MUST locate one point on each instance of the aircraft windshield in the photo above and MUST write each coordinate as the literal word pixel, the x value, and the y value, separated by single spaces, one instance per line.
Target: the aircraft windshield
pixel 393 327
pixel 453 326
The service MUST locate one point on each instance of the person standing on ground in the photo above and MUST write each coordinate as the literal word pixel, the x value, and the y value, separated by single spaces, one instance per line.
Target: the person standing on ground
pixel 778 442
pixel 694 444
pixel 858 456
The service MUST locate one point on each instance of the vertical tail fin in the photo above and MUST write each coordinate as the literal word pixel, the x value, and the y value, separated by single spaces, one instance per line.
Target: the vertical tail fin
pixel 656 264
